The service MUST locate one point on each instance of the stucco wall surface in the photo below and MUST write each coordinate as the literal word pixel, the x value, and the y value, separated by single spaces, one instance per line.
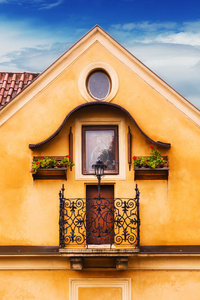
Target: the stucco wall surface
pixel 30 209
pixel 51 285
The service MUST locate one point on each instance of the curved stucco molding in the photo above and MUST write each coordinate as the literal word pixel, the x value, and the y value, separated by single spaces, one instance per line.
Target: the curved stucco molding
pixel 161 144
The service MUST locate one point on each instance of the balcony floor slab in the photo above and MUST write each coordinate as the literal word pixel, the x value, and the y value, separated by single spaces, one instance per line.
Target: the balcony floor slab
pixel 97 251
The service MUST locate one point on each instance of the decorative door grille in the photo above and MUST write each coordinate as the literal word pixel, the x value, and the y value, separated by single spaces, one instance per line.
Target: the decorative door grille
pixel 94 221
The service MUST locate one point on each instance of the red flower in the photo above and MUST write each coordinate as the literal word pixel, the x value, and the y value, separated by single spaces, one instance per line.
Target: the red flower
pixel 68 155
pixel 151 147
pixel 134 157
pixel 50 161
pixel 42 157
pixel 37 163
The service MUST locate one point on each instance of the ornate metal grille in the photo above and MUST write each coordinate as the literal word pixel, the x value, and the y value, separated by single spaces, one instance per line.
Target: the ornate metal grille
pixel 99 221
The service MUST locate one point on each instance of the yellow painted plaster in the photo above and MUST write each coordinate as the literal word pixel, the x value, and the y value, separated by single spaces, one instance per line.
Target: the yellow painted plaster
pixel 113 293
pixel 30 210
pixel 50 285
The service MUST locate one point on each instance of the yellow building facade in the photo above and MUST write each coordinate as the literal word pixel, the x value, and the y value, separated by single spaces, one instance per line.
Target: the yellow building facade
pixel 138 239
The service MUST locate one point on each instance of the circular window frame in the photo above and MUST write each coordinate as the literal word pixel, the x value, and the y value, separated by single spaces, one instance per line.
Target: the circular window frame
pixel 86 73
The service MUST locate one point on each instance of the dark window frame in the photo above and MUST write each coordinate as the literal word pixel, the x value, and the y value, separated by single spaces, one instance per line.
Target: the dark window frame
pixel 115 153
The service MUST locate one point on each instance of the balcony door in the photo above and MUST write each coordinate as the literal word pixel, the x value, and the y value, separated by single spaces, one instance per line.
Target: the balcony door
pixel 99 215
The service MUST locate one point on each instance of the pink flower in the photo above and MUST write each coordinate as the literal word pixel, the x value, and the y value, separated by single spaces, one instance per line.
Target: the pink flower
pixel 31 171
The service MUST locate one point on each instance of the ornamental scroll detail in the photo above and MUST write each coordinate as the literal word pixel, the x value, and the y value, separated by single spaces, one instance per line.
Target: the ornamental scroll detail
pixel 99 221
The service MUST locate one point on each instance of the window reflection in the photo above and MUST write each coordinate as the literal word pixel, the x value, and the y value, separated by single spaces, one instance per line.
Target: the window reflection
pixel 99 85
pixel 100 144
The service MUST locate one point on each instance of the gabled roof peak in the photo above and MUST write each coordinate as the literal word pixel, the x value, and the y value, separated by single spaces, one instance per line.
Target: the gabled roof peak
pixel 120 53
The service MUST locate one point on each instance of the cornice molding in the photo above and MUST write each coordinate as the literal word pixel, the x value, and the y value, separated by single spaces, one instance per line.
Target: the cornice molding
pixel 158 143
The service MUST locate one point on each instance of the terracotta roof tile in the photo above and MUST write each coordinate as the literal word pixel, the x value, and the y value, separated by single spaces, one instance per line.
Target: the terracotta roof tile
pixel 11 84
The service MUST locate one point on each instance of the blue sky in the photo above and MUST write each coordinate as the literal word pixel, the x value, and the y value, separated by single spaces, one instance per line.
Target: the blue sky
pixel 164 35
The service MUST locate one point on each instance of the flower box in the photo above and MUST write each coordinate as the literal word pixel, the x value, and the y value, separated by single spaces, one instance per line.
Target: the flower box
pixel 51 173
pixel 151 174
pixel 153 167
pixel 51 167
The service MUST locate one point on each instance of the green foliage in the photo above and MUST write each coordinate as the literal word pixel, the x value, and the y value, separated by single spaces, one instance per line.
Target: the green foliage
pixel 154 160
pixel 66 161
pixel 47 162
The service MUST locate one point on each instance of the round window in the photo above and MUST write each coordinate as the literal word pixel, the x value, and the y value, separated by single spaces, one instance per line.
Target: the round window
pixel 98 85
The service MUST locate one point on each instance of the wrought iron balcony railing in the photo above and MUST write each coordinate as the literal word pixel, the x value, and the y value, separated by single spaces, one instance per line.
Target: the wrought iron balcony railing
pixel 95 221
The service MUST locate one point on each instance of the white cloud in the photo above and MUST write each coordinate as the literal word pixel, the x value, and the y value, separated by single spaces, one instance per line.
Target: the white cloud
pixel 17 35
pixel 191 26
pixel 185 38
pixel 178 65
pixel 187 33
pixel 47 5
pixel 38 4
pixel 28 48
pixel 146 26
pixel 33 59
pixel 170 50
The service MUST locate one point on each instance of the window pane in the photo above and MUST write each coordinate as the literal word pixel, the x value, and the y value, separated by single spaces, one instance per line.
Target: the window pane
pixel 100 144
pixel 99 85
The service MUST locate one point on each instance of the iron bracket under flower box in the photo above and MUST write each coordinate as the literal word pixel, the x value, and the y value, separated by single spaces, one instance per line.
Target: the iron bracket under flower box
pixel 151 173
